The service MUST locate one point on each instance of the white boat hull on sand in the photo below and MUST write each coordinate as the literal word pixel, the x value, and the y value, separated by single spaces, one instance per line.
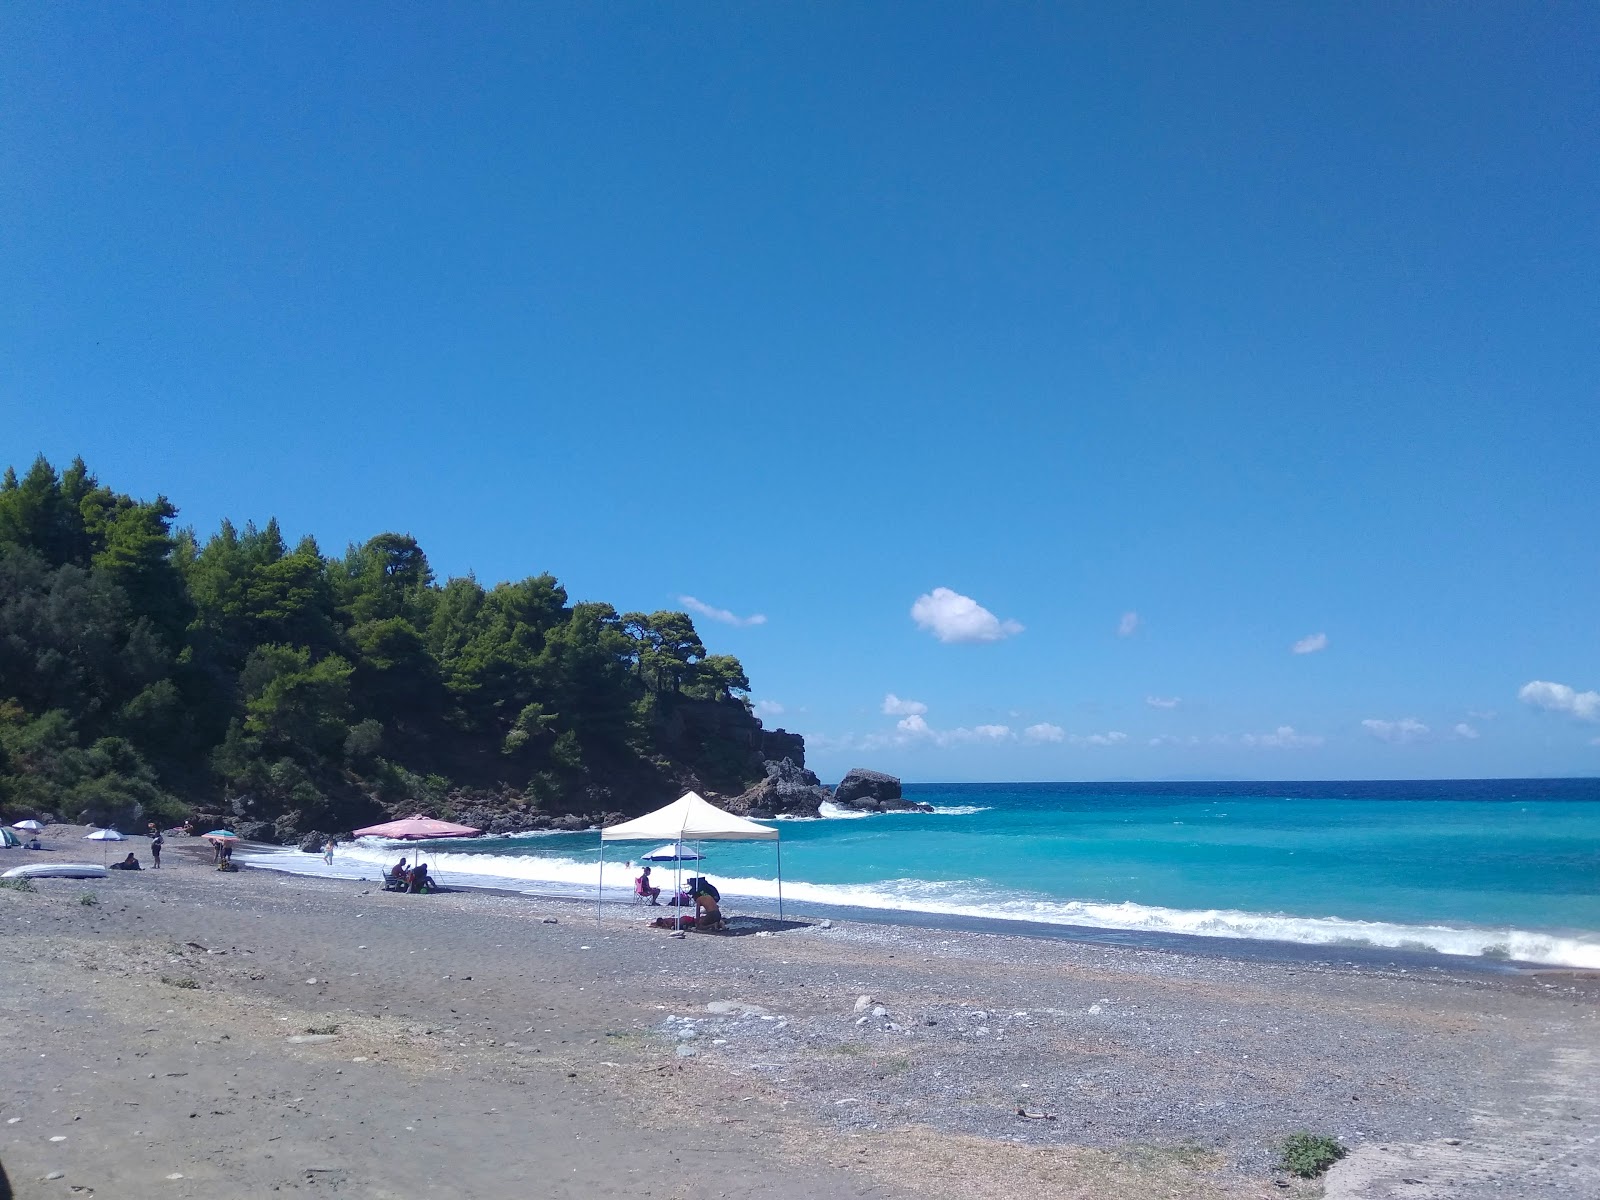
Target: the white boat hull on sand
pixel 56 871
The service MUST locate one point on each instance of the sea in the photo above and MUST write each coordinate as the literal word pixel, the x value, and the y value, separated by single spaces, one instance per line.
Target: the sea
pixel 1497 871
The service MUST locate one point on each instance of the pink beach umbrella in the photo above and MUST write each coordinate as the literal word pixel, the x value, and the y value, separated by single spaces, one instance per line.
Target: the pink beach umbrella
pixel 418 828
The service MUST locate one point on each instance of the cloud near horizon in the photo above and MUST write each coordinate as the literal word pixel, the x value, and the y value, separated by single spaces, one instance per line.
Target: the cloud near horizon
pixel 1311 644
pixel 954 618
pixel 1558 697
pixel 701 608
pixel 1163 701
pixel 1283 737
pixel 1397 733
pixel 913 730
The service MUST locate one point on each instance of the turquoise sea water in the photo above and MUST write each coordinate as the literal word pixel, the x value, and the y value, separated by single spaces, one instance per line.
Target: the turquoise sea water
pixel 1498 868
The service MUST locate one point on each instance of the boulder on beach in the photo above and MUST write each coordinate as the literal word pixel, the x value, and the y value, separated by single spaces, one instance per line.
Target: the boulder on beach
pixel 313 842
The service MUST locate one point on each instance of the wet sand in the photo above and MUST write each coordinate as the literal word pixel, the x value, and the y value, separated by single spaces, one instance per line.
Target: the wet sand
pixel 200 1034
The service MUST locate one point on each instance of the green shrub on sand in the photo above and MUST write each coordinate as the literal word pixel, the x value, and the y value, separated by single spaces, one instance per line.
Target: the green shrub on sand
pixel 1310 1154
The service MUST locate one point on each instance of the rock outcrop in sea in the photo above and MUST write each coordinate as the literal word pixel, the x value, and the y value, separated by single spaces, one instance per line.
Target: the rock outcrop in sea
pixel 874 791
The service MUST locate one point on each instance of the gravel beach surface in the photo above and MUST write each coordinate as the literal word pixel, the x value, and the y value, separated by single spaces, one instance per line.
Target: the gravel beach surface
pixel 191 1033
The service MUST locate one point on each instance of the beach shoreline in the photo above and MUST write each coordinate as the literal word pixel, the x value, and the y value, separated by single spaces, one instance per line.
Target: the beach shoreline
pixel 1165 1073
pixel 1352 953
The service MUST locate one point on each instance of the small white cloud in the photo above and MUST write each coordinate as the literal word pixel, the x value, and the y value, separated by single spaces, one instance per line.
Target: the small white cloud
pixel 1128 625
pixel 1399 733
pixel 1558 697
pixel 1311 644
pixel 952 617
pixel 1163 701
pixel 1486 715
pixel 1044 732
pixel 1282 738
pixel 703 609
pixel 991 733
pixel 1463 730
pixel 768 708
pixel 896 707
pixel 1168 739
pixel 915 726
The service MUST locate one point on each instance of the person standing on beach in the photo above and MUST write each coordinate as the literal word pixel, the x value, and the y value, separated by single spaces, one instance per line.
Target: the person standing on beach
pixel 327 853
pixel 156 842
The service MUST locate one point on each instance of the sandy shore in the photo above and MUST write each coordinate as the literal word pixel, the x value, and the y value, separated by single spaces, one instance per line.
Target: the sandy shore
pixel 189 1033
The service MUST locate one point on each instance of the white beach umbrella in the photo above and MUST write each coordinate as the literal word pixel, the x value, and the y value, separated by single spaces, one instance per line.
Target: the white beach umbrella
pixel 102 836
pixel 30 825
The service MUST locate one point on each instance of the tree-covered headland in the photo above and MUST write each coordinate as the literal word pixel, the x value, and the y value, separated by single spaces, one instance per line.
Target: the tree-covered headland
pixel 146 673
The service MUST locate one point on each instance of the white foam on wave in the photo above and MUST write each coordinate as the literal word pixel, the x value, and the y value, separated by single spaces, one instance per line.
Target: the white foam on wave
pixel 561 876
pixel 842 812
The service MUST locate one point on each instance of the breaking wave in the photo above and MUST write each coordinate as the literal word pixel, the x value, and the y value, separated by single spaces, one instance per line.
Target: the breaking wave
pixel 576 878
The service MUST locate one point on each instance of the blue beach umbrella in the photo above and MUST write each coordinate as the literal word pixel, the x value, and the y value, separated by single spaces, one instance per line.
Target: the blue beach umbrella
pixel 672 852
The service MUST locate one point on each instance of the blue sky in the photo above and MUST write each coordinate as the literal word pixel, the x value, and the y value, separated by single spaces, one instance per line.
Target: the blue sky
pixel 1260 322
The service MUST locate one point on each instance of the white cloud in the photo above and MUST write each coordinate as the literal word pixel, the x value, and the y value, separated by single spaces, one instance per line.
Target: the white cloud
pixel 896 707
pixel 719 614
pixel 1128 625
pixel 1282 738
pixel 1399 733
pixel 1311 644
pixel 1044 733
pixel 952 617
pixel 1167 739
pixel 1486 715
pixel 915 726
pixel 1558 697
pixel 1113 738
pixel 768 708
pixel 1163 701
pixel 1463 730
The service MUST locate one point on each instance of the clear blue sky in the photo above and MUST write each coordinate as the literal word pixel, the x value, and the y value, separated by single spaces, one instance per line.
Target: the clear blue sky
pixel 1258 321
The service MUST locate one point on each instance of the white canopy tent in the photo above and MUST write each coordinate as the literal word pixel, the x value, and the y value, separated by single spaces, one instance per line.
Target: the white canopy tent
pixel 689 818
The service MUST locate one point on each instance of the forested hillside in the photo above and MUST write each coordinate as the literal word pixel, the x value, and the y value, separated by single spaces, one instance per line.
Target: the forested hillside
pixel 145 671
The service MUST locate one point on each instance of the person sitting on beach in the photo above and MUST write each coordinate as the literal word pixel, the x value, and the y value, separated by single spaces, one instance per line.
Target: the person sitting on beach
pixel 400 870
pixel 707 904
pixel 128 864
pixel 419 881
pixel 643 887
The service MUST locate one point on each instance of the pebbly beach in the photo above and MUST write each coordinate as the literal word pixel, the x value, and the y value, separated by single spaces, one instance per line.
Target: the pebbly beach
pixel 188 1032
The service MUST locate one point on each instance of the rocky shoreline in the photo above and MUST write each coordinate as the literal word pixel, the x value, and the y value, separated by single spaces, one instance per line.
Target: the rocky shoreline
pixel 787 790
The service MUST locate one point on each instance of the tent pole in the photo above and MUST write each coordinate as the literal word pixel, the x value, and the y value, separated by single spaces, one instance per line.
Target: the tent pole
pixel 600 884
pixel 778 845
